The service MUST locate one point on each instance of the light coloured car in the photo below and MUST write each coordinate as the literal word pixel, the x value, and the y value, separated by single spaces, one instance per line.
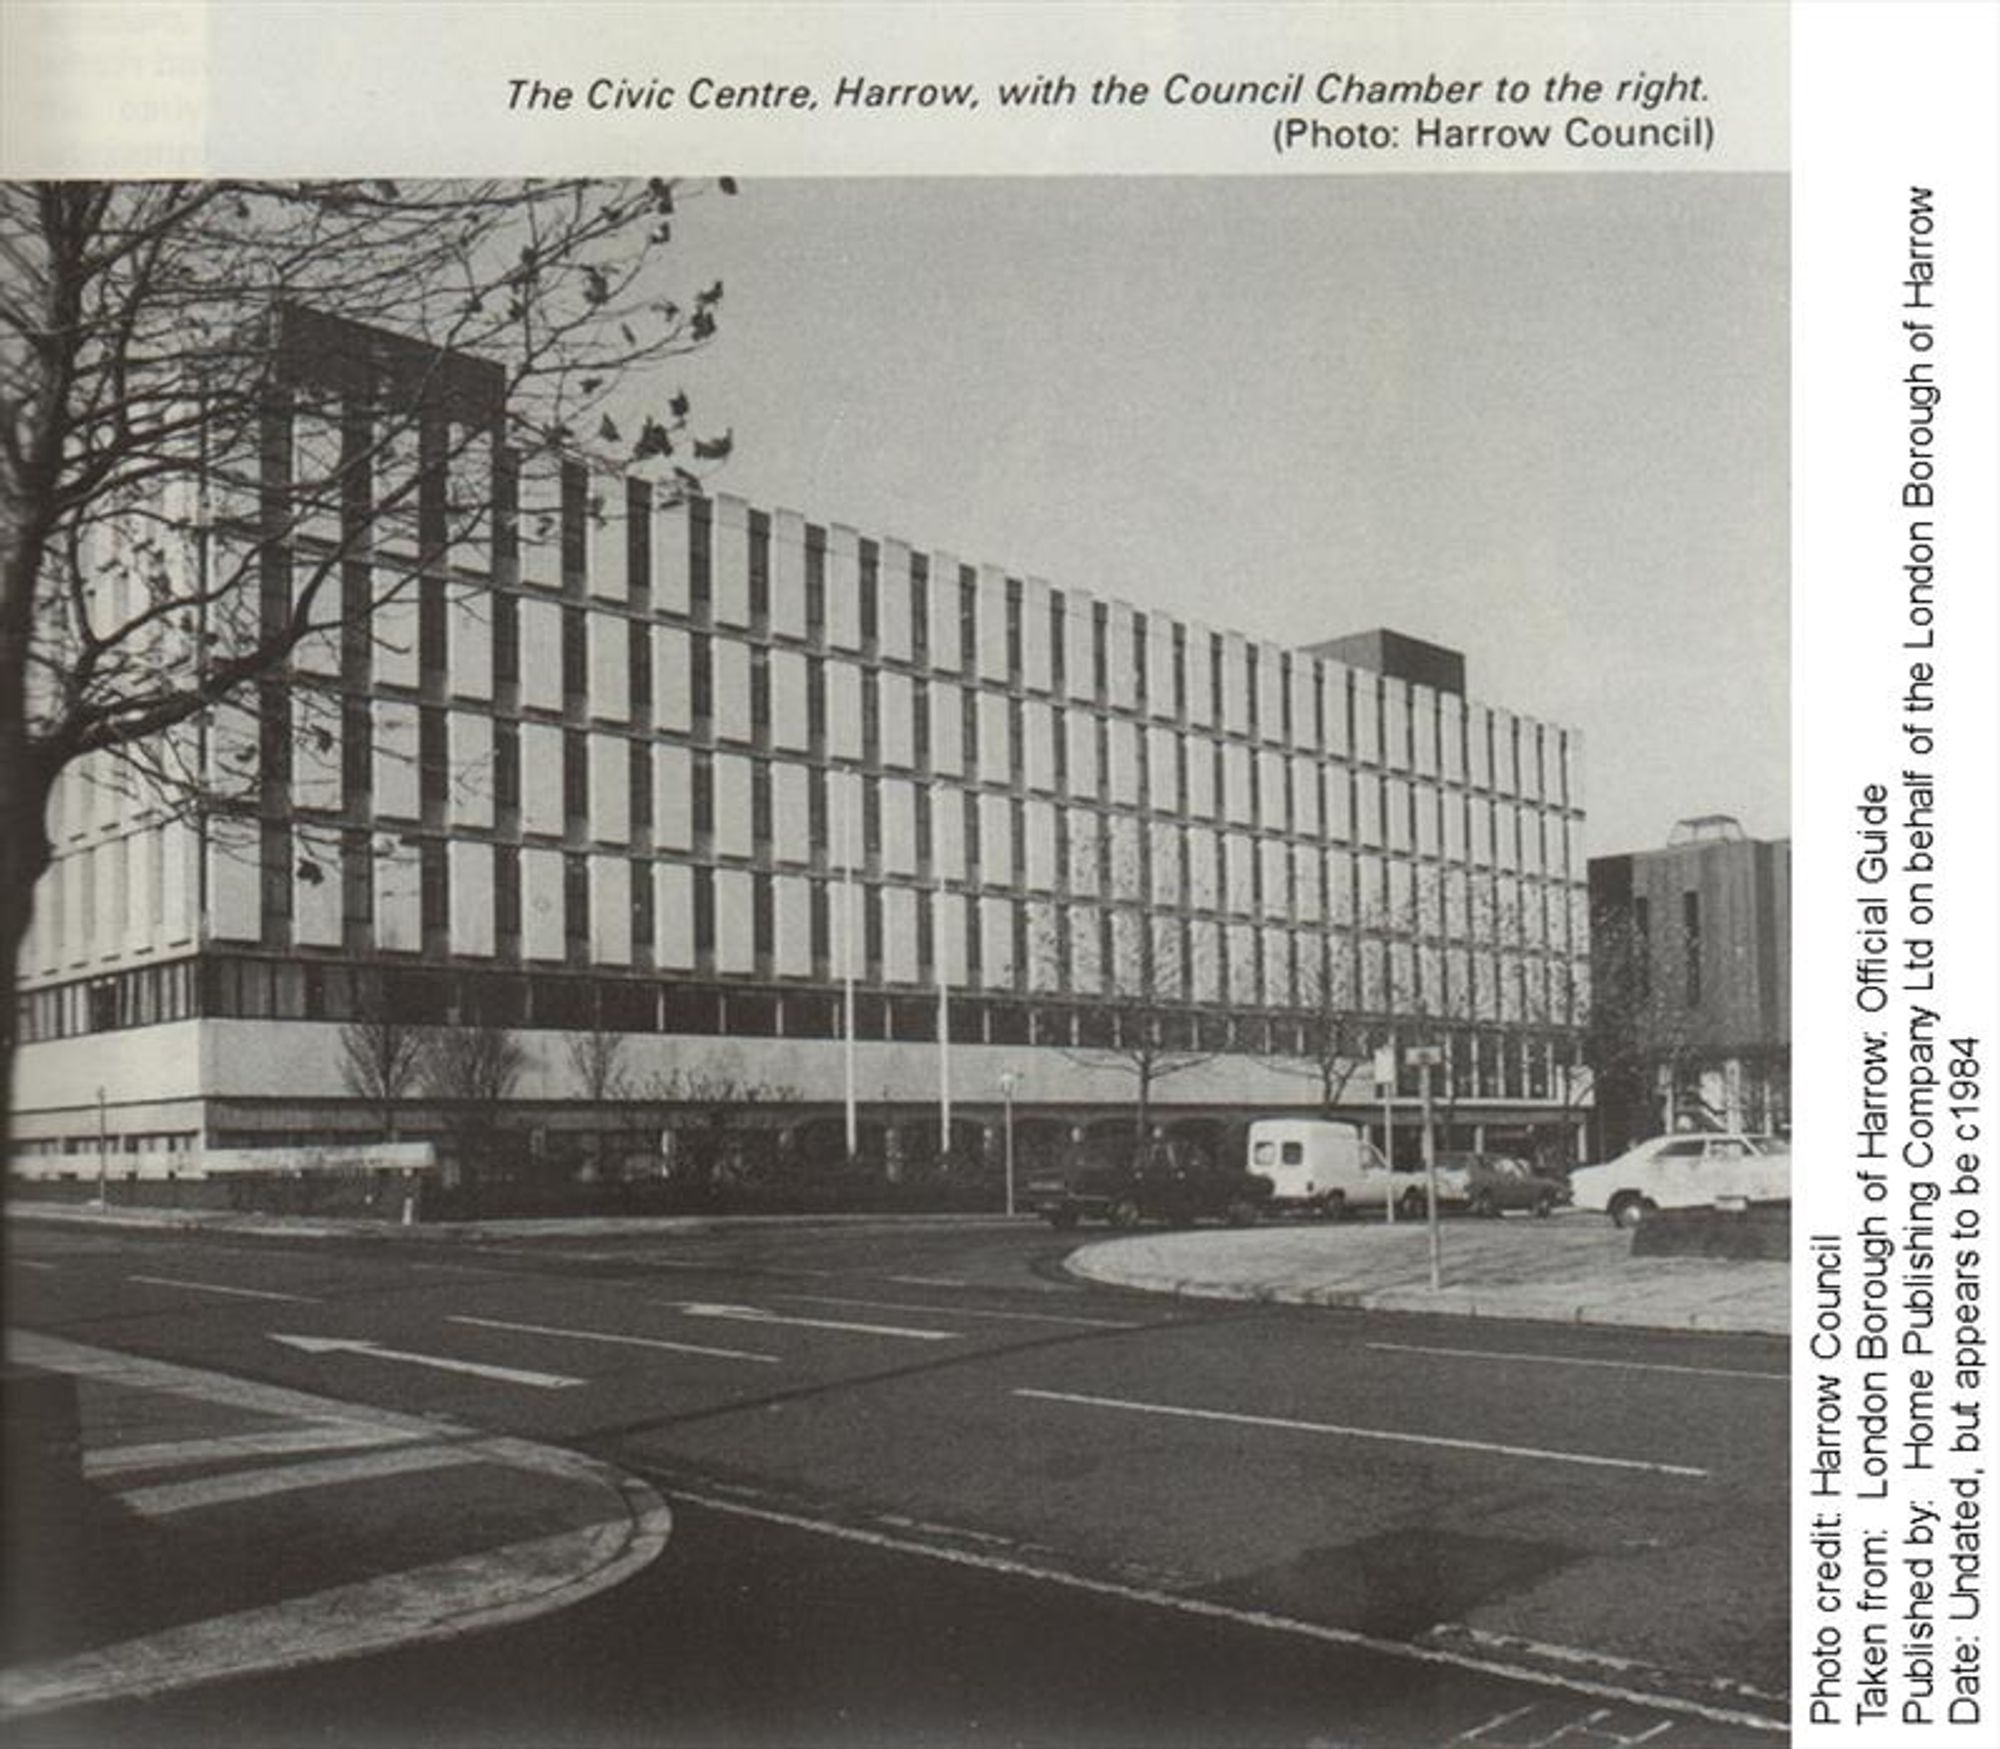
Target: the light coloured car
pixel 1685 1171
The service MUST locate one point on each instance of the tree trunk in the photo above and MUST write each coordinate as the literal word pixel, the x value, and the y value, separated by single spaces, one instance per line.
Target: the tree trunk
pixel 24 858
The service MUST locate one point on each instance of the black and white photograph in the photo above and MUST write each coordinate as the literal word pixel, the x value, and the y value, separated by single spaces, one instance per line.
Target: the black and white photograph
pixel 901 959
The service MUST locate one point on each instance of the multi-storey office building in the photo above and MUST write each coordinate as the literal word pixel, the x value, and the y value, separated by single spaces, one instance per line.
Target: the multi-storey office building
pixel 1691 948
pixel 711 778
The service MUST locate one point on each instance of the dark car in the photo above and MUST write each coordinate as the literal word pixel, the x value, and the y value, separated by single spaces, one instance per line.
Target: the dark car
pixel 1160 1180
pixel 1488 1184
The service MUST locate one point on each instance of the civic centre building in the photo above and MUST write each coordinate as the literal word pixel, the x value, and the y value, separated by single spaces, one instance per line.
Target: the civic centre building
pixel 714 778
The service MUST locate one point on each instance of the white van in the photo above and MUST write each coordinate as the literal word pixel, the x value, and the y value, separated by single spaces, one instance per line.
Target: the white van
pixel 1326 1168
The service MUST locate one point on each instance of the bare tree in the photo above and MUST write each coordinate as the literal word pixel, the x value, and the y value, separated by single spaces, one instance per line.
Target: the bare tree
pixel 381 1058
pixel 597 1065
pixel 713 1106
pixel 1331 1033
pixel 163 550
pixel 471 1071
pixel 1148 968
pixel 602 1079
pixel 1642 1036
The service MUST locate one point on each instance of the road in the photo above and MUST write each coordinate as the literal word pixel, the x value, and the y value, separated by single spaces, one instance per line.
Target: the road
pixel 926 1487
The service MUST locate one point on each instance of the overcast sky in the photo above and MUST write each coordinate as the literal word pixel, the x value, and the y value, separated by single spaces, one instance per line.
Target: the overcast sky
pixel 1542 419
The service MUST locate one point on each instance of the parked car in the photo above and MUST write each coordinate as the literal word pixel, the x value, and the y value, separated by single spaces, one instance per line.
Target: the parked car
pixel 1318 1167
pixel 1486 1184
pixel 1157 1180
pixel 1685 1171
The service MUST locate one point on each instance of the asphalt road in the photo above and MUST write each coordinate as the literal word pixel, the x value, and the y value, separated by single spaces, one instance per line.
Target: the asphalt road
pixel 927 1488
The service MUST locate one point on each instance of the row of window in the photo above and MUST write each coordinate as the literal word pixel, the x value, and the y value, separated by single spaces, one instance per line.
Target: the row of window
pixel 723 564
pixel 530 656
pixel 421 763
pixel 1479 1061
pixel 329 886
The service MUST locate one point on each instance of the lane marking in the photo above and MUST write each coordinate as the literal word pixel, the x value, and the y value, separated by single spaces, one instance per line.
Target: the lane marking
pixel 1286 1424
pixel 182 1453
pixel 1198 1606
pixel 1507 1718
pixel 1633 1667
pixel 546 1381
pixel 929 1281
pixel 1706 1372
pixel 211 1287
pixel 30 1263
pixel 166 1498
pixel 612 1336
pixel 759 1315
pixel 965 1311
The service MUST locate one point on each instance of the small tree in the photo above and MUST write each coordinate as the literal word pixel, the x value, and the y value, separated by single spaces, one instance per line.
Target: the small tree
pixel 598 1070
pixel 1332 1039
pixel 471 1071
pixel 381 1059
pixel 717 1101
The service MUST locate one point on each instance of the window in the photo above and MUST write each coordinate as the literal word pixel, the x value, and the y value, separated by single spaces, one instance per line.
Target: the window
pixel 1691 945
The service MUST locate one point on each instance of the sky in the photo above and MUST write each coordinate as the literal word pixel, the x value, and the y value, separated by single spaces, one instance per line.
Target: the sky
pixel 1540 419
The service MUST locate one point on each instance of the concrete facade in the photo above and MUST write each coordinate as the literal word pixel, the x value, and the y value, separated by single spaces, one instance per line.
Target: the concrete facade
pixel 688 770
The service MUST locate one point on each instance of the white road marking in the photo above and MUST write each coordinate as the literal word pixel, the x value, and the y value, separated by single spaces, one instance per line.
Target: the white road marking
pixel 182 1453
pixel 210 1287
pixel 964 1311
pixel 29 1263
pixel 1286 1424
pixel 492 1588
pixel 547 1381
pixel 758 1315
pixel 1516 1646
pixel 165 1498
pixel 1507 1718
pixel 612 1336
pixel 1198 1606
pixel 1706 1372
pixel 928 1281
pixel 509 1584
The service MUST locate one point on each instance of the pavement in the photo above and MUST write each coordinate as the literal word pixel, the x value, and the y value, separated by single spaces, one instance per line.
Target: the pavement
pixel 1574 1268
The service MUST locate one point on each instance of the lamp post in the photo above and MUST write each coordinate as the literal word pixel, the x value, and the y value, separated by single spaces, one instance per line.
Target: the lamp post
pixel 1385 1084
pixel 1008 1081
pixel 103 1157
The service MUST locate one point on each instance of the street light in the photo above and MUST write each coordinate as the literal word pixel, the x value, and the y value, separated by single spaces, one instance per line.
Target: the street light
pixel 1008 1081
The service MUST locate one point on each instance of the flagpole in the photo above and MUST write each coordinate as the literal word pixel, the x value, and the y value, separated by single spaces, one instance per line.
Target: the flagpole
pixel 847 965
pixel 943 1018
